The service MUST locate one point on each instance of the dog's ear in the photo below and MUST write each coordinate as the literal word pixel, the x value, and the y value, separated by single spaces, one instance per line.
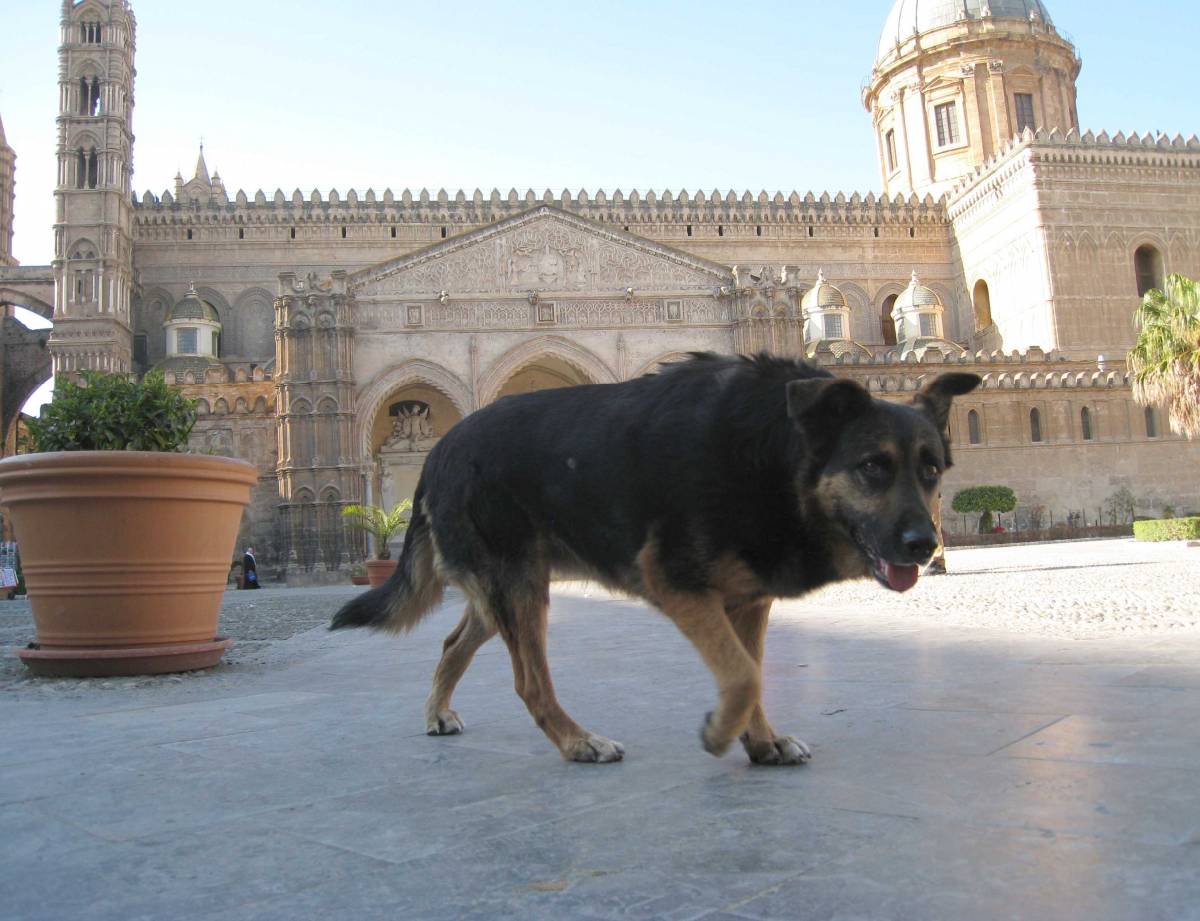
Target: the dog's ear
pixel 935 397
pixel 823 400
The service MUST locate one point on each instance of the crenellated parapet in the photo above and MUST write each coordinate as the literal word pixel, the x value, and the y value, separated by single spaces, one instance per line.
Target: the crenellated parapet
pixel 1056 148
pixel 217 217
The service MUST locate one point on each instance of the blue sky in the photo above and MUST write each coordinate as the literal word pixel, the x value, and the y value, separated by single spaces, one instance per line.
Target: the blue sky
pixel 600 95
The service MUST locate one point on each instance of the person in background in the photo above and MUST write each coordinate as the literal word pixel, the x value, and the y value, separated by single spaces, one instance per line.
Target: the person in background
pixel 249 570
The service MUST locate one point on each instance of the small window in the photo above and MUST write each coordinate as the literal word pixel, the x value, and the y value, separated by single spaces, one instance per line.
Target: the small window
pixel 141 350
pixel 185 340
pixel 834 326
pixel 720 230
pixel 216 343
pixel 344 233
pixel 1024 110
pixel 1148 269
pixel 189 233
pixel 689 230
pixel 887 325
pixel 393 233
pixel 889 142
pixel 946 117
pixel 443 232
pixel 1151 423
pixel 981 299
pixel 812 231
pixel 1085 423
pixel 1035 425
pixel 758 230
pixel 973 428
pixel 929 326
pixel 293 234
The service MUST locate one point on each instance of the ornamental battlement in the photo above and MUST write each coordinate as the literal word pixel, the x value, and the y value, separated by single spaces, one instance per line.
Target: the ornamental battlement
pixel 1054 147
pixel 212 205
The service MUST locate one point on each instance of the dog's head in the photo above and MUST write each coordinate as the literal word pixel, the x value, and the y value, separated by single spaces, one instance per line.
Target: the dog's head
pixel 873 469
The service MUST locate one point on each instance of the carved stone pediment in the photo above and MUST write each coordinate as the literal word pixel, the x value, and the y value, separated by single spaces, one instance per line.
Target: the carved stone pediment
pixel 543 250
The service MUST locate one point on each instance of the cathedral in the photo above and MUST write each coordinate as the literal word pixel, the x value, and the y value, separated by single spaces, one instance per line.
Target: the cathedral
pixel 332 337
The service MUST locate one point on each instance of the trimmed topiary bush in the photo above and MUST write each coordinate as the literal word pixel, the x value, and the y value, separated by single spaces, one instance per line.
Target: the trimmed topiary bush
pixel 1167 529
pixel 985 500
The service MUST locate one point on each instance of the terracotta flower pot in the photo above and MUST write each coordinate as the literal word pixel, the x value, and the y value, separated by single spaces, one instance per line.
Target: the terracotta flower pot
pixel 379 571
pixel 360 580
pixel 126 555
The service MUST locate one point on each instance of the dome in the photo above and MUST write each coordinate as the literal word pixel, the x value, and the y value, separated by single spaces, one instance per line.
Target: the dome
pixel 192 307
pixel 823 296
pixel 910 16
pixel 916 295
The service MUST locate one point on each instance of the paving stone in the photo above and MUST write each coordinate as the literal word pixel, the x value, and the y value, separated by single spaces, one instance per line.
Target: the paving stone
pixel 961 770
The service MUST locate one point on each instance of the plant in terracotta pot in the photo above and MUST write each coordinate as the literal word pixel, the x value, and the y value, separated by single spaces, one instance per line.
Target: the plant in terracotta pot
pixel 383 526
pixel 125 541
pixel 358 574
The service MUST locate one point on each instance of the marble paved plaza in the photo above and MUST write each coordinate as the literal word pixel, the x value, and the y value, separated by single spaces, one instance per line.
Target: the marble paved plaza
pixel 1017 740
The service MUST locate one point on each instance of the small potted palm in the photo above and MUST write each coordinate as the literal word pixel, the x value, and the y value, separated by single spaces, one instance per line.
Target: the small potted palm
pixel 383 526
pixel 125 541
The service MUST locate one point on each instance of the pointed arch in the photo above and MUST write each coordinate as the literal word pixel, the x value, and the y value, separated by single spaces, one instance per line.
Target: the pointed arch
pixel 655 364
pixel 417 370
pixel 579 358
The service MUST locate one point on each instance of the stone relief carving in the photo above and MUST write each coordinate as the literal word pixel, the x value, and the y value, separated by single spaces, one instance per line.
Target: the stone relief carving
pixel 413 426
pixel 547 254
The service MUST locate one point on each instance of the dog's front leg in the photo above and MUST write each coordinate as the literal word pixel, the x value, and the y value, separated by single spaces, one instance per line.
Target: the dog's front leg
pixel 760 740
pixel 701 618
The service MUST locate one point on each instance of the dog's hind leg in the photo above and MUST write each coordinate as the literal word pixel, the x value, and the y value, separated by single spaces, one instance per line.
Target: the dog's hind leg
pixel 761 742
pixel 523 627
pixel 457 652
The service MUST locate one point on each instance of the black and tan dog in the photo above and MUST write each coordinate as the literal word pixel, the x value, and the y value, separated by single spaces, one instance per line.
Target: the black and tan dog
pixel 709 489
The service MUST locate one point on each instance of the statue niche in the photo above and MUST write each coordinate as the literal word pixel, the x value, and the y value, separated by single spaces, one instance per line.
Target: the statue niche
pixel 413 426
pixel 403 452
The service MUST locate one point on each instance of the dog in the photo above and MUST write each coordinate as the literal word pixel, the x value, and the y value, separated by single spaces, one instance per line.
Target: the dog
pixel 709 489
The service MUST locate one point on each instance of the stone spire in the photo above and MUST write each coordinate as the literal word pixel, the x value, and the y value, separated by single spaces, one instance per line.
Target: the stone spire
pixel 202 167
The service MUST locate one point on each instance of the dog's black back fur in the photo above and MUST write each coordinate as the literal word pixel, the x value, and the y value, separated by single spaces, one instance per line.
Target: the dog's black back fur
pixel 705 459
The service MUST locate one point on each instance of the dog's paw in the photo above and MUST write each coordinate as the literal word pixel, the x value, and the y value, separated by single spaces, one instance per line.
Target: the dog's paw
pixel 780 750
pixel 594 750
pixel 443 723
pixel 712 745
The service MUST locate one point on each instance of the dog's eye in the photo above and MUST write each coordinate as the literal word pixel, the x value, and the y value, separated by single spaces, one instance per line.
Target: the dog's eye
pixel 930 473
pixel 873 468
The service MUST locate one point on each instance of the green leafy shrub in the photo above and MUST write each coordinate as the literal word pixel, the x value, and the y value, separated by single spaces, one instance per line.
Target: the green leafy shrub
pixel 112 412
pixel 984 500
pixel 1167 529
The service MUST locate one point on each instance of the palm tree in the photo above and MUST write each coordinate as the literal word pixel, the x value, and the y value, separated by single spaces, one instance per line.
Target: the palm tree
pixel 380 522
pixel 1165 360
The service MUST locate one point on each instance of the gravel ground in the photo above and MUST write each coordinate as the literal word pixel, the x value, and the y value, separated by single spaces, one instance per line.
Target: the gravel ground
pixel 1079 589
pixel 265 626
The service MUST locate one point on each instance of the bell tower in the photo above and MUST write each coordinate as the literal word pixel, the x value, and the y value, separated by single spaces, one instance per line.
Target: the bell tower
pixel 93 249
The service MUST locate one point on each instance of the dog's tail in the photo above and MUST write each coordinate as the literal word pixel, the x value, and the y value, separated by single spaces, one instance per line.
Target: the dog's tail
pixel 411 592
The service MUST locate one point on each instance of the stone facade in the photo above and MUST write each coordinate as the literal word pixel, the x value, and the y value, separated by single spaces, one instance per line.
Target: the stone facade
pixel 352 330
pixel 8 166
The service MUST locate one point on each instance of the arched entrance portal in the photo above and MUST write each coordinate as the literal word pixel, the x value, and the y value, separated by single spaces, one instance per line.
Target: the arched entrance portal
pixel 543 373
pixel 407 424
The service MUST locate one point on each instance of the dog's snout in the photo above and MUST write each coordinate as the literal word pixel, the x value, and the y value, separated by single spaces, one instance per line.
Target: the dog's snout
pixel 919 543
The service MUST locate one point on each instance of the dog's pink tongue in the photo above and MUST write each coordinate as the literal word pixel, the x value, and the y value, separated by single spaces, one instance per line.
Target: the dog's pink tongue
pixel 900 578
